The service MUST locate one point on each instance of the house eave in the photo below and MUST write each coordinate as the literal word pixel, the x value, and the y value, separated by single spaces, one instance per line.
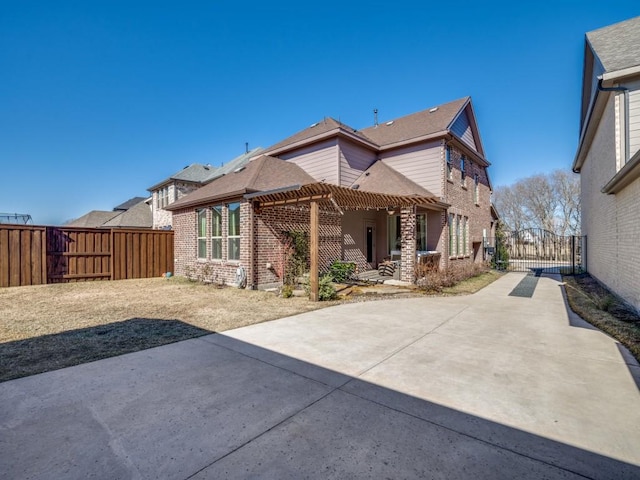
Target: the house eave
pixel 207 200
pixel 625 176
pixel 336 132
pixel 609 79
pixel 590 127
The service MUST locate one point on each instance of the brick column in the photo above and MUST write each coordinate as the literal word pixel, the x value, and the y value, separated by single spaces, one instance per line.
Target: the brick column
pixel 408 241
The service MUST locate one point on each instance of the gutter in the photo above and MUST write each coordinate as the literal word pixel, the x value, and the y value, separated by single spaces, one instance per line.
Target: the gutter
pixel 290 188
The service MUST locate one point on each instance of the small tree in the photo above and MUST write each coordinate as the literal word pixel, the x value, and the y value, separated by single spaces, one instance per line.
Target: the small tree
pixel 500 259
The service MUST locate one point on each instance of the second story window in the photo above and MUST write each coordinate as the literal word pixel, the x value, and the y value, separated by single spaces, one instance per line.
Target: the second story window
pixel 476 189
pixel 448 161
pixel 463 166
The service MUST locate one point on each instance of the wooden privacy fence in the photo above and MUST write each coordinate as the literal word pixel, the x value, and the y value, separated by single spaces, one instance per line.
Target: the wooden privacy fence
pixel 33 255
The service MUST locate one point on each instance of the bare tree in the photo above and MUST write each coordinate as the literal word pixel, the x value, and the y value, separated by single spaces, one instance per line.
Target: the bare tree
pixel 547 201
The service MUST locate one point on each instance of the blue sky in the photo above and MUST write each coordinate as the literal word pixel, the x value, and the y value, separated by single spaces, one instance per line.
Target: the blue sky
pixel 99 100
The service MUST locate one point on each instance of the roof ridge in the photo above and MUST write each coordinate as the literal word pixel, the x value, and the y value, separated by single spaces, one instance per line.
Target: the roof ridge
pixel 262 159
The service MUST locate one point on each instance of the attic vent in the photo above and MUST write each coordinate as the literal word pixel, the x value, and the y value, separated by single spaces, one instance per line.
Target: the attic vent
pixel 355 186
pixel 434 109
pixel 206 167
pixel 238 169
pixel 390 123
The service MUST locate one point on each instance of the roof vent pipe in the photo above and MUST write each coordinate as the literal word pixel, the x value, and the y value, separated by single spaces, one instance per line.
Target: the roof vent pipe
pixel 375 117
pixel 246 147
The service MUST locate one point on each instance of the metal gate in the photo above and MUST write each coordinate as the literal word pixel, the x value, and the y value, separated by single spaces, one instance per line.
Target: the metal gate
pixel 537 250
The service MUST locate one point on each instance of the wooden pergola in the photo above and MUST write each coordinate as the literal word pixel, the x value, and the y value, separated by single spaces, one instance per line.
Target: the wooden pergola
pixel 342 198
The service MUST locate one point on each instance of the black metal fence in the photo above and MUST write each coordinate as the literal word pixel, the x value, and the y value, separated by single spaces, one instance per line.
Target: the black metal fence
pixel 537 250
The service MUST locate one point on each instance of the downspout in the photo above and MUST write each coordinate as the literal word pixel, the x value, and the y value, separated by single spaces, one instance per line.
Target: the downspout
pixel 625 92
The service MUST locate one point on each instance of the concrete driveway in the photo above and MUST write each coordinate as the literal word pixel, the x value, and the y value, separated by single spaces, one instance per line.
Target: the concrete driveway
pixel 500 384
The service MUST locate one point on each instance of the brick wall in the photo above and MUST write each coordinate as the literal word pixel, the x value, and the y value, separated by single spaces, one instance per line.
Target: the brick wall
pixel 460 195
pixel 162 218
pixel 610 222
pixel 262 234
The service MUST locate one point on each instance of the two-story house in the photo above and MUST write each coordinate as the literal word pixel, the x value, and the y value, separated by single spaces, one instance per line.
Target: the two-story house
pixel 401 188
pixel 608 157
pixel 185 181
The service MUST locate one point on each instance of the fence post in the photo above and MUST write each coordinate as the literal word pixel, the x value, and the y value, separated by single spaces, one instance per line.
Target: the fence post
pixel 573 254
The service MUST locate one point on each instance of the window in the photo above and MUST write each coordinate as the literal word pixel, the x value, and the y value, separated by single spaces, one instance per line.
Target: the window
pixel 451 236
pixel 476 189
pixel 393 233
pixel 163 197
pixel 465 235
pixel 463 174
pixel 449 166
pixel 233 238
pixel 458 236
pixel 216 232
pixel 421 232
pixel 202 233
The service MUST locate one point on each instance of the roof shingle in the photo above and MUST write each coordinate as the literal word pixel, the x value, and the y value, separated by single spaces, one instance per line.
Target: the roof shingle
pixel 618 45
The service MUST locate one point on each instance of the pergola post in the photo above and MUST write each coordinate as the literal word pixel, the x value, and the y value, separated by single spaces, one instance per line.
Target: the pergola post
pixel 314 243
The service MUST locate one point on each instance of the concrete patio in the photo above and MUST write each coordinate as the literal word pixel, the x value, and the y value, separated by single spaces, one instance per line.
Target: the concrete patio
pixel 483 386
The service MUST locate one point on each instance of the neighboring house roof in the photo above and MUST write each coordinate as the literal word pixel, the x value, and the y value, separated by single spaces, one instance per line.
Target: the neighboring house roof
pixel 129 203
pixel 381 178
pixel 203 174
pixel 431 122
pixel 617 46
pixel 238 162
pixel 194 173
pixel 93 219
pixel 262 174
pixel 138 216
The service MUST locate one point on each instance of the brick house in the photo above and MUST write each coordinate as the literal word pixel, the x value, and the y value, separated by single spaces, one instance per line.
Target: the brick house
pixel 187 180
pixel 403 189
pixel 608 157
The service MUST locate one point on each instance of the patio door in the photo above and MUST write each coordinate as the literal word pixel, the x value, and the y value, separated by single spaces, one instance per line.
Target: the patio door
pixel 370 243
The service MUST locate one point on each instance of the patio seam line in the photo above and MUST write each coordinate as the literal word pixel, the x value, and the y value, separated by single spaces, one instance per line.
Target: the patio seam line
pixel 486 442
pixel 274 426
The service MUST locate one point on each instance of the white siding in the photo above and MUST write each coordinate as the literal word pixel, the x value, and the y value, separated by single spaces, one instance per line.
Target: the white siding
pixel 462 129
pixel 319 160
pixel 420 163
pixel 353 161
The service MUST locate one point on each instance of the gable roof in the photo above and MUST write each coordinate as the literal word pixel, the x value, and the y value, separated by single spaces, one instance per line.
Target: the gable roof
pixel 194 173
pixel 426 123
pixel 326 128
pixel 93 219
pixel 238 162
pixel 138 216
pixel 129 203
pixel 262 174
pixel 617 46
pixel 381 178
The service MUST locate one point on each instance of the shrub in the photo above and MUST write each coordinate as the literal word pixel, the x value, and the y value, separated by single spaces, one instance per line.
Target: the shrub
pixel 341 271
pixel 287 291
pixel 435 280
pixel 326 289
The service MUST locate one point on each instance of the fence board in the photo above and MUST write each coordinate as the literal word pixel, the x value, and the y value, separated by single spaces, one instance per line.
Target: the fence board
pixel 31 255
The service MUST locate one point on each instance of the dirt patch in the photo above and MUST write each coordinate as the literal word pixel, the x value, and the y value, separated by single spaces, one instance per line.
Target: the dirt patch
pixel 595 304
pixel 46 327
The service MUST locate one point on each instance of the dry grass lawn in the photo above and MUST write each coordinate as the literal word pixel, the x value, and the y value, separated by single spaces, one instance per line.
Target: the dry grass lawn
pixel 46 327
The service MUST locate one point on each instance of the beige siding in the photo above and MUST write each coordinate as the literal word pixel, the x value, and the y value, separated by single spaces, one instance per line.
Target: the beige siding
pixel 319 160
pixel 634 119
pixel 462 128
pixel 421 163
pixel 610 222
pixel 353 161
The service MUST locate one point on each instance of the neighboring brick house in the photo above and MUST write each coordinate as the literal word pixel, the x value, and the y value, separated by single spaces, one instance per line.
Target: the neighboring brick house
pixel 405 188
pixel 185 181
pixel 608 157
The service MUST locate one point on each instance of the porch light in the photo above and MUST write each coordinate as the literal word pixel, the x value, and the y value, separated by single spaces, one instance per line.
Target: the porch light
pixel 391 210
